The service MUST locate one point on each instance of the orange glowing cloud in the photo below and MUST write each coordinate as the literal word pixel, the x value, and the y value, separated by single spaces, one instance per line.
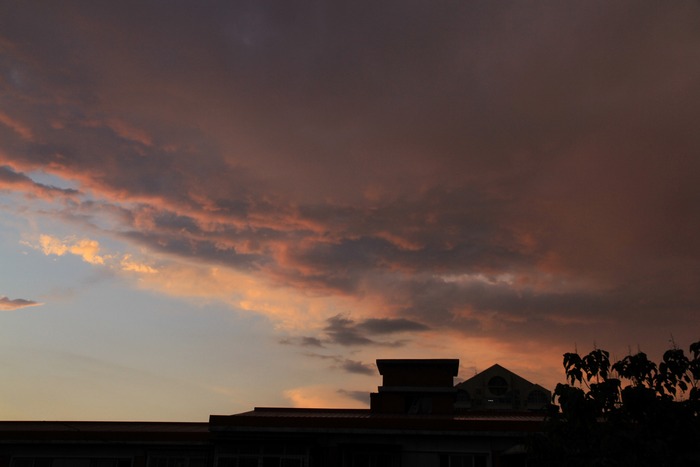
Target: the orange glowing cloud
pixel 130 265
pixel 90 251
pixel 319 396
pixel 85 248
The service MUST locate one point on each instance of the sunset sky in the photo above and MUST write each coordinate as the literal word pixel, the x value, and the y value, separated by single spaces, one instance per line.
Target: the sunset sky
pixel 210 206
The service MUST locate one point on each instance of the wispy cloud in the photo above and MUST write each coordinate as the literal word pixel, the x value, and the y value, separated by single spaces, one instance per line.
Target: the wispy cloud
pixel 390 326
pixel 305 341
pixel 341 362
pixel 352 366
pixel 344 331
pixel 17 303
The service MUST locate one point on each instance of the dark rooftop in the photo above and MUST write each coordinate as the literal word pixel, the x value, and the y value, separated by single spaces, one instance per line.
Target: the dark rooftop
pixel 364 419
pixel 451 364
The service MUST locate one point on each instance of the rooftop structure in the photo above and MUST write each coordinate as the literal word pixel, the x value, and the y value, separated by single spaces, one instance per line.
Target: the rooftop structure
pixel 416 386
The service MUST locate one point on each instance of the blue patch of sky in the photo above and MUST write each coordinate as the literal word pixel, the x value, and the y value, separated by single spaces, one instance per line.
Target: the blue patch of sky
pixel 104 318
pixel 39 176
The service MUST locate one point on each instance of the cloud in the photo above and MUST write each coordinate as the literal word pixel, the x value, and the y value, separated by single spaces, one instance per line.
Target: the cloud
pixel 311 342
pixel 304 341
pixel 16 126
pixel 17 303
pixel 344 331
pixel 341 331
pixel 85 248
pixel 90 251
pixel 340 362
pixel 322 396
pixel 352 366
pixel 496 171
pixel 124 130
pixel 390 326
pixel 361 396
pixel 127 264
pixel 16 181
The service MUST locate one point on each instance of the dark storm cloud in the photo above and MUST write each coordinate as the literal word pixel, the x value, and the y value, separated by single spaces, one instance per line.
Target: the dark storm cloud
pixel 499 168
pixel 15 304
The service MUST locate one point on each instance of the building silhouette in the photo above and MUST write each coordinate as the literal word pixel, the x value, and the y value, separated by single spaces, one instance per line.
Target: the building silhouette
pixel 416 418
pixel 498 388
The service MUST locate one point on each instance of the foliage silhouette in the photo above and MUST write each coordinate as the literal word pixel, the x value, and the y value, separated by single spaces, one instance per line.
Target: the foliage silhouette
pixel 631 412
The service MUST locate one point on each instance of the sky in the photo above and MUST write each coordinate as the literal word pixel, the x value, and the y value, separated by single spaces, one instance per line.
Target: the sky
pixel 211 206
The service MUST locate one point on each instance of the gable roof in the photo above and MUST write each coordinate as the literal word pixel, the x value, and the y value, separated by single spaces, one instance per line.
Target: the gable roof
pixel 496 368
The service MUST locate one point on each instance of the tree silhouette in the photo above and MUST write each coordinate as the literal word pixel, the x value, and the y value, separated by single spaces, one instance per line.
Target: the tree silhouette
pixel 631 412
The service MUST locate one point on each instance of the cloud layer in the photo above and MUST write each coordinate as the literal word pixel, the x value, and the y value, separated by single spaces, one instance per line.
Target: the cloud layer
pixel 522 172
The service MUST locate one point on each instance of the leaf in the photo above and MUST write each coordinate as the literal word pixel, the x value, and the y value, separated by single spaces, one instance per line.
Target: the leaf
pixel 694 394
pixel 695 349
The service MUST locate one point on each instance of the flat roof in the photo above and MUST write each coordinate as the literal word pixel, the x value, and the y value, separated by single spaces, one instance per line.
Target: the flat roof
pixel 450 364
pixel 17 431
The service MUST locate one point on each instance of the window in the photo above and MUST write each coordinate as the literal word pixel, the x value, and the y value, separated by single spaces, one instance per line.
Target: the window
pixel 537 397
pixel 371 456
pixel 71 462
pixel 372 459
pixel 498 386
pixel 250 460
pixel 268 455
pixel 463 460
pixel 176 460
pixel 161 461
